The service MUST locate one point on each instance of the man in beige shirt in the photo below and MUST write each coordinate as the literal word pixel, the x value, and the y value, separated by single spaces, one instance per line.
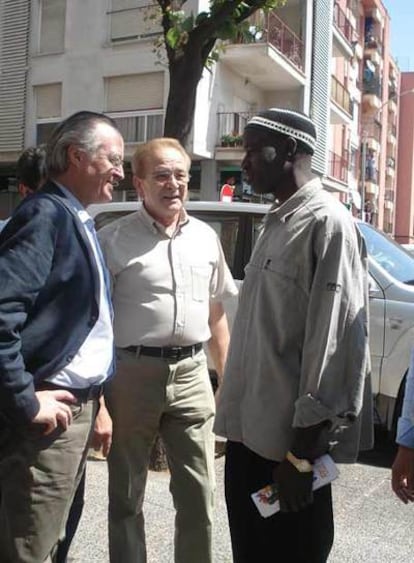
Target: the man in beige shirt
pixel 169 279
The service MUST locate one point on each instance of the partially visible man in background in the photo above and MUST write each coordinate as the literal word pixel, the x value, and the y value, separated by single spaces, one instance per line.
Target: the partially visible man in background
pixel 169 279
pixel 30 172
pixel 403 466
pixel 56 340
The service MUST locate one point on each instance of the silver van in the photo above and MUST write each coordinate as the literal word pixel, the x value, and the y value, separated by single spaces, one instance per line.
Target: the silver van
pixel 391 291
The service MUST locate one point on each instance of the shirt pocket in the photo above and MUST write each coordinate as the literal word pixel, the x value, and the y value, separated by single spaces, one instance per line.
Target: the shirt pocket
pixel 200 281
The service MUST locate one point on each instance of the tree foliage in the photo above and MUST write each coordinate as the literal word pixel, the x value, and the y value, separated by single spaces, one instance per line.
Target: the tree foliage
pixel 192 42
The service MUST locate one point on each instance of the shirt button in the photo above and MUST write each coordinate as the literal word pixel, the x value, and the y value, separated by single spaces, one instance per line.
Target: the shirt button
pixel 69 357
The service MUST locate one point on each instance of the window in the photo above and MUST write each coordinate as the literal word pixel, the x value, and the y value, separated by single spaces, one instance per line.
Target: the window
pixel 140 128
pixel 48 109
pixel 52 26
pixel 134 19
pixel 135 101
pixel 135 92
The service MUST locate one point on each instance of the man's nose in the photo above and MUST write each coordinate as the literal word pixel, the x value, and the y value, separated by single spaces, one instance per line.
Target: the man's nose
pixel 119 170
pixel 173 182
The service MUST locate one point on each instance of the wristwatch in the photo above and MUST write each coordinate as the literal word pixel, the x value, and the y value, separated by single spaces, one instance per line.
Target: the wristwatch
pixel 302 465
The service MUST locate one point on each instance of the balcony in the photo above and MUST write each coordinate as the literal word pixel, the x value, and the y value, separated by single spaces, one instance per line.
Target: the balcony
pixel 341 97
pixel 343 24
pixel 389 195
pixel 390 168
pixel 373 49
pixel 338 166
pixel 272 58
pixel 372 90
pixel 230 126
pixel 371 131
pixel 392 135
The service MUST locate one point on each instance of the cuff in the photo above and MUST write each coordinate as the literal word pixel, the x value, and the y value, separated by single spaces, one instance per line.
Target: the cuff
pixel 309 411
pixel 405 432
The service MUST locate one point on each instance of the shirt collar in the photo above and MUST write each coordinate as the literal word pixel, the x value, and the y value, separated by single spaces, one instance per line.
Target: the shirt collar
pixel 157 227
pixel 297 200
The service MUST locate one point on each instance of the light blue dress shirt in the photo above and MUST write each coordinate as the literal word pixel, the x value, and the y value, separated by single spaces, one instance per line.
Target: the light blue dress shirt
pixel 405 430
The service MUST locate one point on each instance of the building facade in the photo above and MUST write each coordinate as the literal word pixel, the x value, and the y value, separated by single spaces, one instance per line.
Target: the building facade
pixel 309 55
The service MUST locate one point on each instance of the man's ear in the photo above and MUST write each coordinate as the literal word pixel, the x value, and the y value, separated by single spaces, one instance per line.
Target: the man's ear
pixel 292 146
pixel 23 190
pixel 75 155
pixel 138 185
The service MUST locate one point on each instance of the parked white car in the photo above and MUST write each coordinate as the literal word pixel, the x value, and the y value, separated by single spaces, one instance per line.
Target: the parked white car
pixel 391 272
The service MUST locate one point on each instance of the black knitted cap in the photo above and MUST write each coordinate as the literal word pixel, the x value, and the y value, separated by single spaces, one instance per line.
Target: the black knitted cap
pixel 287 122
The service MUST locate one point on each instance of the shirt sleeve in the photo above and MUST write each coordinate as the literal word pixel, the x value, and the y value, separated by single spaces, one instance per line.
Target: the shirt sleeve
pixel 222 285
pixel 405 428
pixel 335 358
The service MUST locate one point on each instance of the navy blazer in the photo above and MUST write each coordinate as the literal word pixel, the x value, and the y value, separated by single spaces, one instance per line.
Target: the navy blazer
pixel 49 297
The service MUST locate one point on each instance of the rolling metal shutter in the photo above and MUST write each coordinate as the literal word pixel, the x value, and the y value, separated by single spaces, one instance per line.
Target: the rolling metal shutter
pixel 321 80
pixel 14 49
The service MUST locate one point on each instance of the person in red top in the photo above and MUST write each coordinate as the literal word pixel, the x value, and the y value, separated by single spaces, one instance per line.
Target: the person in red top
pixel 227 190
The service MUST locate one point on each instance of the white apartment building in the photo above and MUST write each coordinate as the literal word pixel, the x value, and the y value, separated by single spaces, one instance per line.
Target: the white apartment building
pixel 61 56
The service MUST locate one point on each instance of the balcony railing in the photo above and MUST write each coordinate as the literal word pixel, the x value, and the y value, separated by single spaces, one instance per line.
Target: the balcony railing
pixel 338 166
pixel 372 86
pixel 373 42
pixel 391 162
pixel 341 95
pixel 343 23
pixel 389 195
pixel 392 130
pixel 271 29
pixel 230 127
pixel 372 129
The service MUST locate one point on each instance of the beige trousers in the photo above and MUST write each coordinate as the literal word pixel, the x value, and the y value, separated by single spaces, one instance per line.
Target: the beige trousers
pixel 150 395
pixel 38 479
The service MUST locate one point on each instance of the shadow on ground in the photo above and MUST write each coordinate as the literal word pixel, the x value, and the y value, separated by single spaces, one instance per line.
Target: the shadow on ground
pixel 383 453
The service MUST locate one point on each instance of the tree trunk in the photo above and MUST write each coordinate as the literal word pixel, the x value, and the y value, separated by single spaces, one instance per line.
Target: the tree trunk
pixel 185 74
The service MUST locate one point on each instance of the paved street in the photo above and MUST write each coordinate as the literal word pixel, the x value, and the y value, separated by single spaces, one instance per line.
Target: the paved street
pixel 371 524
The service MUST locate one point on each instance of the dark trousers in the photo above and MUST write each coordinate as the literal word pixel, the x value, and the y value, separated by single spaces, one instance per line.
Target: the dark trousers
pixel 73 521
pixel 294 537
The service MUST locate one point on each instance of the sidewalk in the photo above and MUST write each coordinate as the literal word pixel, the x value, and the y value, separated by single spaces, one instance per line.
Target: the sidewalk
pixel 90 544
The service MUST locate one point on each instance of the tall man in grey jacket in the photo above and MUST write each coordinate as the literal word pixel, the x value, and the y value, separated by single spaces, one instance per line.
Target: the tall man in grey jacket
pixel 297 366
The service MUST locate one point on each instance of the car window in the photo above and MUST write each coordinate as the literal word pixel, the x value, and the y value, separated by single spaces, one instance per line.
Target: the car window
pixel 388 254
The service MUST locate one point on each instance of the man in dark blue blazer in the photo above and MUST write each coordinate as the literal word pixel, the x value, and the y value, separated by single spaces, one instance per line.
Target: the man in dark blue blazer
pixel 56 342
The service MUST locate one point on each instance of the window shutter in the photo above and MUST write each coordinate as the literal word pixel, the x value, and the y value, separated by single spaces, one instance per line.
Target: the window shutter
pixel 48 100
pixel 52 26
pixel 135 92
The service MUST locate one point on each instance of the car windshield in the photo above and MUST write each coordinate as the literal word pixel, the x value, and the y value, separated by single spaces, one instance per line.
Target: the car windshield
pixel 388 254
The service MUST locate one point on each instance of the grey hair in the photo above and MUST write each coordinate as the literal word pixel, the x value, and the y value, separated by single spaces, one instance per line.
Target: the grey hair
pixel 79 130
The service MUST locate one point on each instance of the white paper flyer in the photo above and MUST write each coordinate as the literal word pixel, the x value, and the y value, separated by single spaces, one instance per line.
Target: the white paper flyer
pixel 266 500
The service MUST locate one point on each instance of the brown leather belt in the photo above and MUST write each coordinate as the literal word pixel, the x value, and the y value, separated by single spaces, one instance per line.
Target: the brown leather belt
pixel 176 353
pixel 83 394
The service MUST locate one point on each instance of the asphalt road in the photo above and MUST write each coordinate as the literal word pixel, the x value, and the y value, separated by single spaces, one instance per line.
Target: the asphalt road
pixel 371 525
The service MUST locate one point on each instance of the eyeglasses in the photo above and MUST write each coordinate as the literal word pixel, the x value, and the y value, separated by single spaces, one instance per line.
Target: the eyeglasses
pixel 115 160
pixel 163 176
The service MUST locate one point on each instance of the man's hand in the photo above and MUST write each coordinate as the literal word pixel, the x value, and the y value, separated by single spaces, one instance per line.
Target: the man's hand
pixel 294 487
pixel 102 434
pixel 403 474
pixel 53 409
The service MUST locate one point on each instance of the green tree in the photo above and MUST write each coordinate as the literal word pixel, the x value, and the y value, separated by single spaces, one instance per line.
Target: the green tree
pixel 191 44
